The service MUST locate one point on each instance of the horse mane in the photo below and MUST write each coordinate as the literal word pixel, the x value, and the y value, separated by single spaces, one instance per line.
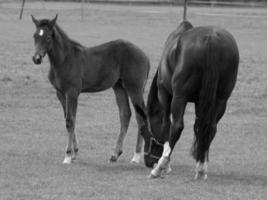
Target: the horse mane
pixel 65 40
pixel 75 45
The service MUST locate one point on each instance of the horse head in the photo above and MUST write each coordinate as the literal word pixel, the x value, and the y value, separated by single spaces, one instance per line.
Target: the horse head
pixel 153 147
pixel 43 38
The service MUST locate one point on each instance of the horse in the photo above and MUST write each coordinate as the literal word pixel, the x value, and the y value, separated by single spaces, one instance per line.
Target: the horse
pixel 76 69
pixel 198 65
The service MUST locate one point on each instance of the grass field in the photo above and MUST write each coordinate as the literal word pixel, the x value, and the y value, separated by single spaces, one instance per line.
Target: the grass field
pixel 32 129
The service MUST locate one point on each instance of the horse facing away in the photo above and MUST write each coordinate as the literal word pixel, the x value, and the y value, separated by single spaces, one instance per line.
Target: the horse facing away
pixel 198 65
pixel 75 69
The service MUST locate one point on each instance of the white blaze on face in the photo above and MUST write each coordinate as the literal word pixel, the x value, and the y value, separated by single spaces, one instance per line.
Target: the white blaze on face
pixel 41 32
pixel 166 149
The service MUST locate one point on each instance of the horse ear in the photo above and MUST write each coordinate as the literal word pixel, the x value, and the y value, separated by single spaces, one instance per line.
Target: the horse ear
pixel 53 22
pixel 35 21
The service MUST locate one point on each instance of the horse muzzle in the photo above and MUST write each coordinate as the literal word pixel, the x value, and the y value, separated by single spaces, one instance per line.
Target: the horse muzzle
pixel 37 59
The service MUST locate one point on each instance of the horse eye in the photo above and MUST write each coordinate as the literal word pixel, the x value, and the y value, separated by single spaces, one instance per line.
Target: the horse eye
pixel 48 39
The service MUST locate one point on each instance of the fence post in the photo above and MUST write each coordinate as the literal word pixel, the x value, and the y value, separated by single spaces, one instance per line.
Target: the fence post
pixel 82 9
pixel 185 10
pixel 22 8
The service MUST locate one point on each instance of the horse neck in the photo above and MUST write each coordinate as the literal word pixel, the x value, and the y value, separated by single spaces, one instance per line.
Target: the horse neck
pixel 61 48
pixel 154 111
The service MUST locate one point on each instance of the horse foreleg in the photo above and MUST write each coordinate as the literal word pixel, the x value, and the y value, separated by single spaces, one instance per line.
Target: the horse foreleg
pixel 71 108
pixel 177 125
pixel 164 162
pixel 163 165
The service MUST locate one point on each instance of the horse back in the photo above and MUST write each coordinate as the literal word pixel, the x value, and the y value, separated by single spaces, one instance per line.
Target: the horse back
pixel 169 56
pixel 195 49
pixel 103 65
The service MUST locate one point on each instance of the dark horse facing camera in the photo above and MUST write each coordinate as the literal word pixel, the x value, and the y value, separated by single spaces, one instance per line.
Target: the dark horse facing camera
pixel 75 69
pixel 42 39
pixel 198 65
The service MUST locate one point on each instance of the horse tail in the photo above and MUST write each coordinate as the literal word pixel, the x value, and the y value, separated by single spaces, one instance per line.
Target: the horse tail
pixel 205 112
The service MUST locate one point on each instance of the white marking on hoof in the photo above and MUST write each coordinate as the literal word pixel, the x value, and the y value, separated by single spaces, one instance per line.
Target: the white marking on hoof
pixel 205 177
pixel 155 173
pixel 166 150
pixel 136 158
pixel 151 176
pixel 200 175
pixel 73 156
pixel 41 33
pixel 161 166
pixel 67 160
pixel 201 171
pixel 196 176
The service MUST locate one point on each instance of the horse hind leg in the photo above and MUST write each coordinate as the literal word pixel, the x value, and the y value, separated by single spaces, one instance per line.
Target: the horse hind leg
pixel 125 116
pixel 201 170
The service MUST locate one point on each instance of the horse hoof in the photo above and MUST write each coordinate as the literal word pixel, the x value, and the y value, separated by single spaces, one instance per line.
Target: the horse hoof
pixel 136 158
pixel 119 153
pixel 67 160
pixel 155 173
pixel 152 176
pixel 201 175
pixel 76 151
pixel 73 157
pixel 113 159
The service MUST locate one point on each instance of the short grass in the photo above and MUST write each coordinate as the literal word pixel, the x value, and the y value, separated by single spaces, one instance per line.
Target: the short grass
pixel 32 130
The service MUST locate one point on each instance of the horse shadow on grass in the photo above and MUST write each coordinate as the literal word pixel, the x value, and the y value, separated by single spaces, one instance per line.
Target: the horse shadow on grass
pixel 119 167
pixel 234 177
pixel 181 172
pixel 186 172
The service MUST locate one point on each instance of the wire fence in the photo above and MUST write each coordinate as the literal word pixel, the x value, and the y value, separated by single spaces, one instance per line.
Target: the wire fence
pixel 82 4
pixel 230 3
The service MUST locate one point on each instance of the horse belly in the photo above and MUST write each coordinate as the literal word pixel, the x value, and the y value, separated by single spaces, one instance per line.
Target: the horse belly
pixel 99 83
